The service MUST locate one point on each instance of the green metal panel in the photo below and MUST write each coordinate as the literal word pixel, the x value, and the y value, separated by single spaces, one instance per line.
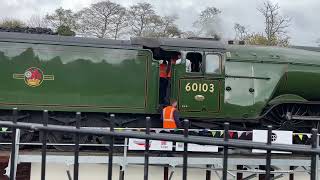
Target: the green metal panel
pixel 238 78
pixel 198 93
pixel 212 95
pixel 74 77
pixel 267 78
pixel 187 101
pixel 304 81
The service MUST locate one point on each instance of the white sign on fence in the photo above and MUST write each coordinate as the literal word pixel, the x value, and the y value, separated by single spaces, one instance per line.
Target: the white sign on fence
pixel 278 137
pixel 196 147
pixel 154 145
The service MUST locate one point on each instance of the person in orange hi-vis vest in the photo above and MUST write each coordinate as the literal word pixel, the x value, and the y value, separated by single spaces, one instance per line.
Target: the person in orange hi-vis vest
pixel 170 116
pixel 171 63
pixel 163 84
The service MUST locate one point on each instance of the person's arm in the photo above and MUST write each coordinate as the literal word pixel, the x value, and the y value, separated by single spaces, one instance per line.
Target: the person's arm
pixel 177 119
pixel 161 117
pixel 169 66
pixel 188 65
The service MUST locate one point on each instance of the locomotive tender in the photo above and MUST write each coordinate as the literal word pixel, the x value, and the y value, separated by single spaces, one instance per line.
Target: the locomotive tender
pixel 241 84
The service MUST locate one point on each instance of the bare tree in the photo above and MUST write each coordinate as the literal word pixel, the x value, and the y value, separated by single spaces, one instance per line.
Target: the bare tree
pixel 120 23
pixel 163 27
pixel 241 31
pixel 142 16
pixel 169 27
pixel 102 19
pixel 275 24
pixel 37 21
pixel 64 18
pixel 208 22
pixel 154 27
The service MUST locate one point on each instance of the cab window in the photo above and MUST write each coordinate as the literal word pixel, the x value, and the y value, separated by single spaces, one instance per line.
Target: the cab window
pixel 212 65
pixel 194 60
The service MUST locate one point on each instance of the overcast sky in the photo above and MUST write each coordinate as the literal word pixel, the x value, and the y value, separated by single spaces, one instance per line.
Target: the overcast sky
pixel 304 29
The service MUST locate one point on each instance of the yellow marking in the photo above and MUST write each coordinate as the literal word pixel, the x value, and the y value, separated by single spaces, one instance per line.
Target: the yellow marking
pixel 18 76
pixel 48 77
pixel 45 77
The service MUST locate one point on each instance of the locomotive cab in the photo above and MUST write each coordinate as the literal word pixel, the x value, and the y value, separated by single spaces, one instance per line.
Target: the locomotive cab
pixel 201 89
pixel 197 78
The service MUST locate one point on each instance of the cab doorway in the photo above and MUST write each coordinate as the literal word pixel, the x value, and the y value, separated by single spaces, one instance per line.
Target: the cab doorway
pixel 166 60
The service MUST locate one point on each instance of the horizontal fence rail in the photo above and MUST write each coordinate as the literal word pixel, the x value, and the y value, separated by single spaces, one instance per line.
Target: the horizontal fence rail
pixel 173 137
pixel 313 151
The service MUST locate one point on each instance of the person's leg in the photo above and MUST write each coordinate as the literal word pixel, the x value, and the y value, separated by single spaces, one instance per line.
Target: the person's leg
pixel 168 91
pixel 162 90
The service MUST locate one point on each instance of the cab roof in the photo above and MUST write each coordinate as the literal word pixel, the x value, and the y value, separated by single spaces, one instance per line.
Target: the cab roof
pixel 177 43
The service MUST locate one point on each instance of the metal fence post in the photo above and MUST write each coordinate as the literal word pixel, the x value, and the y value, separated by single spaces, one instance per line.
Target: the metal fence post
pixel 239 174
pixel 111 148
pixel 165 173
pixel 44 146
pixel 291 176
pixel 208 172
pixel 13 145
pixel 314 168
pixel 76 149
pixel 185 150
pixel 121 174
pixel 268 156
pixel 124 162
pixel 146 152
pixel 225 151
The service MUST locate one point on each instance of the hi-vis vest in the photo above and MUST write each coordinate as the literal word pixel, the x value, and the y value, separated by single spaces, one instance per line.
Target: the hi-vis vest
pixel 163 71
pixel 168 119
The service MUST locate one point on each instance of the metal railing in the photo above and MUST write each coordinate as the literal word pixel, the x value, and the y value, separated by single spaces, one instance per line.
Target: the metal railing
pixel 313 151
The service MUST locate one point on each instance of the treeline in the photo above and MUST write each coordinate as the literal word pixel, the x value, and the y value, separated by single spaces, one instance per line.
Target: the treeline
pixel 107 19
pixel 111 20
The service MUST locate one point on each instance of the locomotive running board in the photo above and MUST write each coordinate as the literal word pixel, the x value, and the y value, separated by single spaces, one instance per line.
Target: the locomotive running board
pixel 289 116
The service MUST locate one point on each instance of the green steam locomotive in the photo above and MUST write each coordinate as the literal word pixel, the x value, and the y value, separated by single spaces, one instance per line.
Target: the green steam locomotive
pixel 248 86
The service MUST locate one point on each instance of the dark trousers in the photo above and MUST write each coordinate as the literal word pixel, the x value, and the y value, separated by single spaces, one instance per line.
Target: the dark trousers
pixel 163 86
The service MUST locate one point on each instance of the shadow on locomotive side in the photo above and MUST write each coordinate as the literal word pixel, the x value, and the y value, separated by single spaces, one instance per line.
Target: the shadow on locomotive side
pixel 249 86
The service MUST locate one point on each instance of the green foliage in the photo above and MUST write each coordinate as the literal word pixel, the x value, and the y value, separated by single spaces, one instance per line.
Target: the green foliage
pixel 62 17
pixel 260 39
pixel 256 39
pixel 12 23
pixel 65 31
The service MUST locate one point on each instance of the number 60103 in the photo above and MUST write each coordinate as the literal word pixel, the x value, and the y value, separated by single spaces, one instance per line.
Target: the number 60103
pixel 199 87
